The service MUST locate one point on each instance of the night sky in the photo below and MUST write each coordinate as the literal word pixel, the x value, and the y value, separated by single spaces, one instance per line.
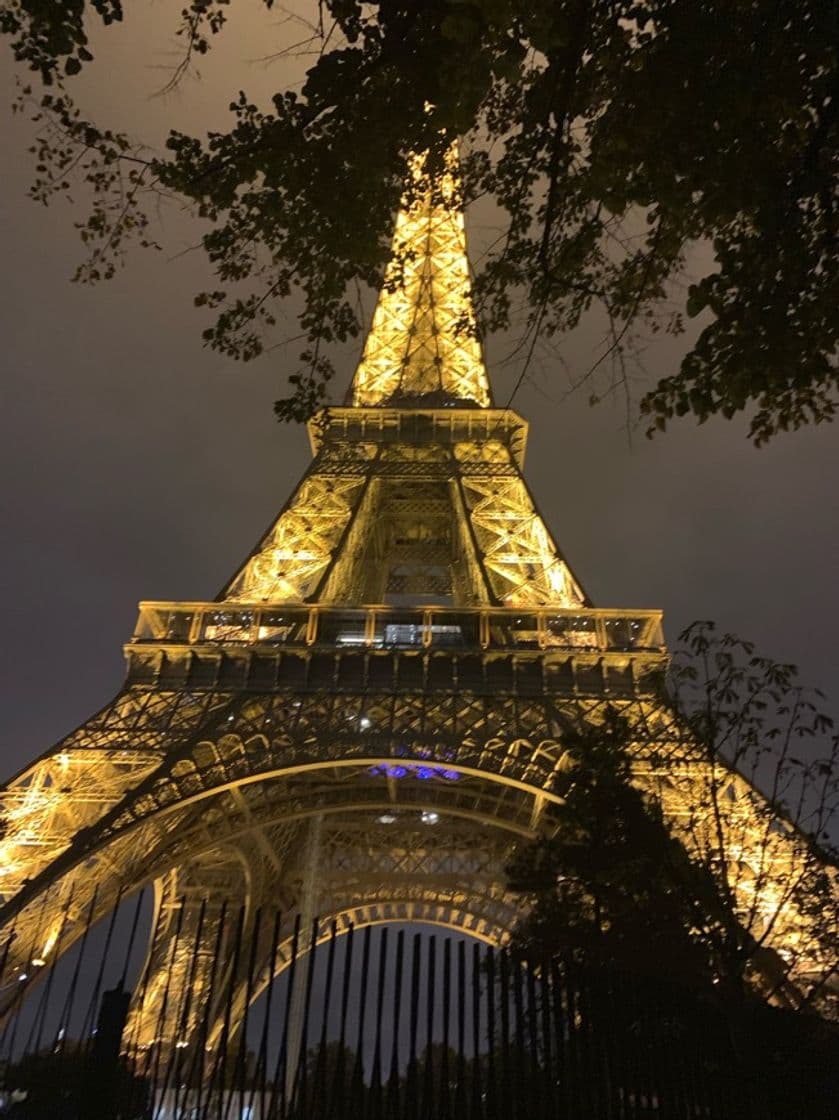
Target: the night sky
pixel 137 464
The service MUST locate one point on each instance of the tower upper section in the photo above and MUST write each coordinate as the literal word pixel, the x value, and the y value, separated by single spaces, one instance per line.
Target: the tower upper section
pixel 423 346
pixel 415 496
pixel 413 527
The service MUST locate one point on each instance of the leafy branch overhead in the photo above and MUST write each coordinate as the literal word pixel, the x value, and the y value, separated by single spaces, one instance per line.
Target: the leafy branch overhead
pixel 613 136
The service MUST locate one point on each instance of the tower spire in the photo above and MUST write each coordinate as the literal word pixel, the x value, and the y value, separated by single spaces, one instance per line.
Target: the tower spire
pixel 423 346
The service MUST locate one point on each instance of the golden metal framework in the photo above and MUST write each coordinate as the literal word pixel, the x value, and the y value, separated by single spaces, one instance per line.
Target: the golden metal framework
pixel 400 658
pixel 424 337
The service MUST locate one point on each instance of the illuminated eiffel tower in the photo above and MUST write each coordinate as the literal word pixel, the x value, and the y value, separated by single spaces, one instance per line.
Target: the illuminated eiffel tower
pixel 371 713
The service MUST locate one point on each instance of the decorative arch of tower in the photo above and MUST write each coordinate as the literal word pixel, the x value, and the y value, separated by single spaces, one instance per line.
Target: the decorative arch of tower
pixel 370 715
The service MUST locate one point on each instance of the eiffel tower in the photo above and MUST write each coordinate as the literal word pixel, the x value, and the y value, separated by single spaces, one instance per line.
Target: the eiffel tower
pixel 370 714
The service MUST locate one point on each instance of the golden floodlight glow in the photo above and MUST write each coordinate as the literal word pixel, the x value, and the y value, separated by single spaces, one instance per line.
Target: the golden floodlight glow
pixel 423 339
pixel 299 548
pixel 422 347
pixel 398 660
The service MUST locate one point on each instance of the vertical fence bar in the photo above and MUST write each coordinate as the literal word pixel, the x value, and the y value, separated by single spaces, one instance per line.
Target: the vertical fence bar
pixel 491 1082
pixel 643 1087
pixel 520 1088
pixel 93 1006
pixel 220 1064
pixel 357 1091
pixel 280 1088
pixel 596 1040
pixel 476 1095
pixel 19 998
pixel 201 1049
pixel 132 1097
pixel 63 1025
pixel 460 1075
pixel 535 1074
pixel 241 1029
pixel 689 1098
pixel 319 1092
pixel 132 937
pixel 560 1048
pixel 428 1107
pixel 576 1074
pixel 182 1030
pixel 37 1029
pixel 149 1053
pixel 411 1086
pixel 504 973
pixel 300 1075
pixel 620 1000
pixel 338 1102
pixel 376 1077
pixel 260 1075
pixel 160 1029
pixel 393 1074
pixel 132 1044
pixel 447 1011
pixel 549 1082
pixel 585 1049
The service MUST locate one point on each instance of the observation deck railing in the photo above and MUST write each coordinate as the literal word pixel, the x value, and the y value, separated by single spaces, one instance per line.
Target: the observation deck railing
pixel 588 631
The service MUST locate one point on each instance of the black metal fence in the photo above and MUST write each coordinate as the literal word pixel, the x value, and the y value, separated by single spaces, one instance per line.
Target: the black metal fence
pixel 388 1023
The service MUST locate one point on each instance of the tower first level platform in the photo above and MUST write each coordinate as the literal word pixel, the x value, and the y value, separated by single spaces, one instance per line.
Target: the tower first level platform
pixel 520 653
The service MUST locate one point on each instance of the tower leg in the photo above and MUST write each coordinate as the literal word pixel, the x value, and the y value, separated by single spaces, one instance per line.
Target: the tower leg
pixel 202 909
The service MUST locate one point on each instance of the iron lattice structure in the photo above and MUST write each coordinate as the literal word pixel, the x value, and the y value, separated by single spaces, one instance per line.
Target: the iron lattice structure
pixel 371 713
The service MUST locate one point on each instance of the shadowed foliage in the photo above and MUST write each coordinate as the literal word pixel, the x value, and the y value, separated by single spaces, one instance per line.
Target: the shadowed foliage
pixel 753 764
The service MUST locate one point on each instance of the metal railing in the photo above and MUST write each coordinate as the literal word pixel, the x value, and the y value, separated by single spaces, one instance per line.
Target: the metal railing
pixel 382 1023
pixel 386 627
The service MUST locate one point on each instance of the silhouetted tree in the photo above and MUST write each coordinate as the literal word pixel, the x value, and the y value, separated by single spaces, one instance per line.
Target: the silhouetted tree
pixel 762 811
pixel 698 846
pixel 612 886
